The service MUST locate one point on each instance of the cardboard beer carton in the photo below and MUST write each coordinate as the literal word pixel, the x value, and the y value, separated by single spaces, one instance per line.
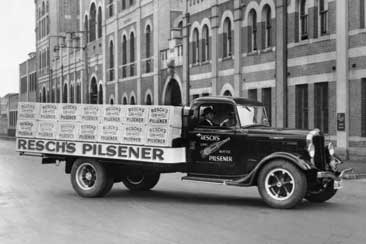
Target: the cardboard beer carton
pixel 49 111
pixel 90 113
pixel 161 136
pixel 88 131
pixel 69 112
pixel 135 114
pixel 47 129
pixel 67 131
pixel 110 133
pixel 28 111
pixel 134 134
pixel 165 116
pixel 112 113
pixel 26 128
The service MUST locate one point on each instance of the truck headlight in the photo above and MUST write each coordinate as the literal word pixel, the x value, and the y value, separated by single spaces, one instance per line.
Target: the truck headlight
pixel 311 150
pixel 331 149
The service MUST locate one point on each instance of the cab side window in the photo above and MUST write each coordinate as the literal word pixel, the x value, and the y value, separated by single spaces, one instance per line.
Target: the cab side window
pixel 219 115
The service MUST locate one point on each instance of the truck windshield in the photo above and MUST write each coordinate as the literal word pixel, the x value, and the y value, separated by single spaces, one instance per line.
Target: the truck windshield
pixel 252 115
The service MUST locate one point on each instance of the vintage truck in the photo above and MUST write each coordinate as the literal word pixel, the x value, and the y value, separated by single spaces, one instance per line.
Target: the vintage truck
pixel 239 149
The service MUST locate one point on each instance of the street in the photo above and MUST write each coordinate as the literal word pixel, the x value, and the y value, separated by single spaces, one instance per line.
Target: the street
pixel 38 205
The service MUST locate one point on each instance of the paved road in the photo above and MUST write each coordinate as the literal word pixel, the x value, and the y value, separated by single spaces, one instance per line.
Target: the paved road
pixel 38 205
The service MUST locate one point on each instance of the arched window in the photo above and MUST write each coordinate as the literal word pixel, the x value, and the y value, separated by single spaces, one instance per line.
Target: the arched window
pixel 124 56
pixel 132 53
pixel 58 94
pixel 148 41
pixel 205 44
pixel 44 95
pixel 53 95
pixel 227 93
pixel 148 100
pixel 124 102
pixel 111 101
pixel 267 26
pixel 100 94
pixel 92 22
pixel 252 42
pixel 227 38
pixel 43 8
pixel 86 27
pixel 72 94
pixel 78 93
pixel 323 14
pixel 132 100
pixel 123 4
pixel 64 95
pixel 110 8
pixel 132 47
pixel 195 46
pixel 100 23
pixel 303 12
pixel 111 61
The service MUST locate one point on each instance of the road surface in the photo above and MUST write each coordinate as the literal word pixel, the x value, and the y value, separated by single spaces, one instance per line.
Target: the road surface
pixel 38 205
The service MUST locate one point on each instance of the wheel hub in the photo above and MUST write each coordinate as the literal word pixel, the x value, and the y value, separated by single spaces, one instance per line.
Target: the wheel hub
pixel 280 184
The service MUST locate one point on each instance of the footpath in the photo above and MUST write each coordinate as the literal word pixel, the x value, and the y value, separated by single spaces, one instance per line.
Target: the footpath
pixel 358 166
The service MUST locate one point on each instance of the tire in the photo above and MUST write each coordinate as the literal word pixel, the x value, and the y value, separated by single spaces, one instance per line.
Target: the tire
pixel 141 182
pixel 281 184
pixel 322 195
pixel 89 178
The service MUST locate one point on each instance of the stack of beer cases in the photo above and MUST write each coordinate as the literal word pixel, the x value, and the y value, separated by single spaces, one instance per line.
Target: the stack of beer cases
pixel 90 119
pixel 27 120
pixel 134 124
pixel 164 124
pixel 68 122
pixel 47 122
pixel 110 127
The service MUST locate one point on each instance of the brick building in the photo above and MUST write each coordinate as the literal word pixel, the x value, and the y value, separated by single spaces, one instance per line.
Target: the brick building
pixel 304 59
pixel 28 79
pixel 307 70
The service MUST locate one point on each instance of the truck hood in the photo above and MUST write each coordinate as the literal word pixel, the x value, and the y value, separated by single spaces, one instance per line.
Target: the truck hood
pixel 276 132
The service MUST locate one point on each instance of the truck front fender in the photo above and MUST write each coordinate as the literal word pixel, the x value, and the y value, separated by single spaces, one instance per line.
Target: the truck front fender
pixel 290 157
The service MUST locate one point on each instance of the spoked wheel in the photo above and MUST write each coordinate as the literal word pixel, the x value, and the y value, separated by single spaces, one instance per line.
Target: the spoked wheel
pixel 141 182
pixel 90 179
pixel 281 184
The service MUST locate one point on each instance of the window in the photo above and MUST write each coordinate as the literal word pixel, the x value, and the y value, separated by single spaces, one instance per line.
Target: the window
pixel 123 4
pixel 78 93
pixel 323 12
pixel 124 102
pixel 71 94
pixel 362 13
pixel 303 20
pixel 100 24
pixel 131 2
pixel 267 102
pixel 132 53
pixel 86 27
pixel 148 100
pixel 253 31
pixel 111 101
pixel 267 26
pixel 124 56
pixel 92 23
pixel 363 107
pixel 227 38
pixel 253 94
pixel 195 46
pixel 205 43
pixel 100 94
pixel 64 95
pixel 302 106
pixel 148 41
pixel 132 100
pixel 23 85
pixel 321 106
pixel 223 115
pixel 44 95
pixel 227 93
pixel 111 62
pixel 110 8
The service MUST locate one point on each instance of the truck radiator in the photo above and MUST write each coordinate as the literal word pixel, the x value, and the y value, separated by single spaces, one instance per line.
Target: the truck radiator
pixel 320 157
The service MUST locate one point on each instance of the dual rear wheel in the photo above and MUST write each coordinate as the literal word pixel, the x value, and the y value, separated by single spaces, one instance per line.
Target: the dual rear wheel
pixel 90 178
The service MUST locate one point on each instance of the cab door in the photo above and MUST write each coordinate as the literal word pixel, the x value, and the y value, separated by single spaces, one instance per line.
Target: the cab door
pixel 215 150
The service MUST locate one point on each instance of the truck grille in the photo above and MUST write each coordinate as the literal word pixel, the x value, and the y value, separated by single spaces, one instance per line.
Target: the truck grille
pixel 320 157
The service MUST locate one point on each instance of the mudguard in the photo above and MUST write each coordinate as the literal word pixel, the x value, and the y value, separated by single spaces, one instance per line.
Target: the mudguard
pixel 293 158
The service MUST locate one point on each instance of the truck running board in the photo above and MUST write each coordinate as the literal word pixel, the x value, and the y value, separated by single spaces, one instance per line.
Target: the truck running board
pixel 212 180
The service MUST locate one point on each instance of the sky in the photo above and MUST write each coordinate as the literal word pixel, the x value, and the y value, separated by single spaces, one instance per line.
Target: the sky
pixel 17 39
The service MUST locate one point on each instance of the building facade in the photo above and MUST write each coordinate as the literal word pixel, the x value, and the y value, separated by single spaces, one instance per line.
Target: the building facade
pixel 304 59
pixel 28 79
pixel 306 66
pixel 8 114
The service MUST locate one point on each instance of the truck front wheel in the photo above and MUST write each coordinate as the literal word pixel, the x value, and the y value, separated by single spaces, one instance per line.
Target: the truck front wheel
pixel 90 178
pixel 141 182
pixel 281 184
pixel 322 194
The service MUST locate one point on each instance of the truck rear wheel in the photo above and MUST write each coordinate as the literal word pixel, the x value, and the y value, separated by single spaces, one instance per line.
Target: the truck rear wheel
pixel 281 184
pixel 90 178
pixel 141 182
